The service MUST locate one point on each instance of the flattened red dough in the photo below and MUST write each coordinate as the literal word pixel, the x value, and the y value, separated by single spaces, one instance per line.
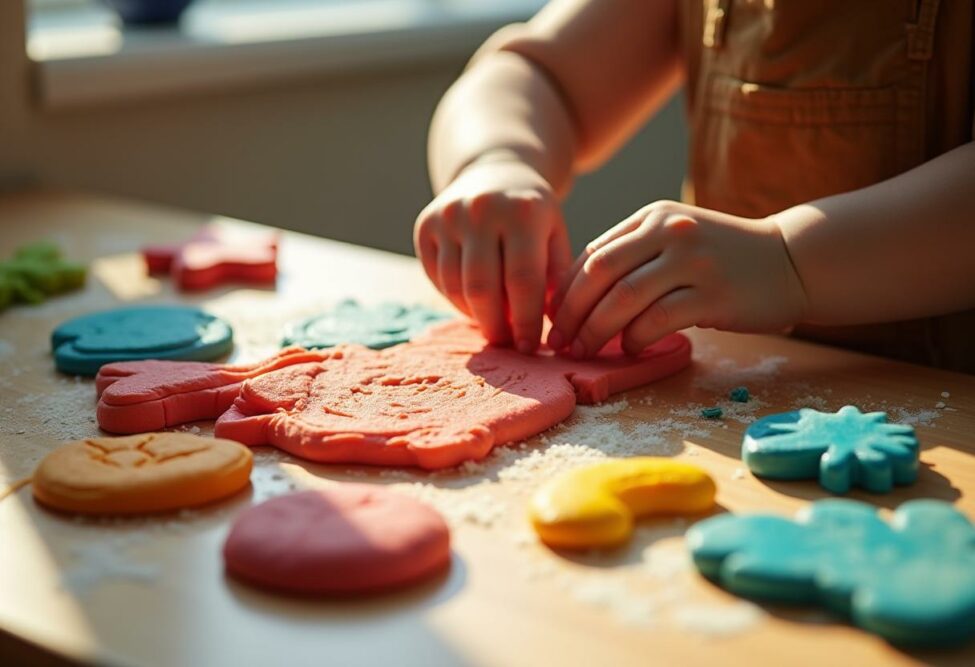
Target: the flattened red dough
pixel 347 538
pixel 440 400
pixel 143 396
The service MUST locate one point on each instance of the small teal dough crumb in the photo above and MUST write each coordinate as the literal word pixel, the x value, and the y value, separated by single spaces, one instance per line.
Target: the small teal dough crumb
pixel 843 449
pixel 377 327
pixel 739 395
pixel 910 580
pixel 84 344
pixel 712 413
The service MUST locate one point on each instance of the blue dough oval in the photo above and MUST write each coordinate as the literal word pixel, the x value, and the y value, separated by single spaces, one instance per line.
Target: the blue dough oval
pixel 910 580
pixel 843 449
pixel 82 345
pixel 377 327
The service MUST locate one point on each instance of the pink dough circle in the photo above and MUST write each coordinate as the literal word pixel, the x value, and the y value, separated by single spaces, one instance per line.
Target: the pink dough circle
pixel 344 539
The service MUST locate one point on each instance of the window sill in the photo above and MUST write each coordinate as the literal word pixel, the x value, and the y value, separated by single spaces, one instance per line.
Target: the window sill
pixel 83 58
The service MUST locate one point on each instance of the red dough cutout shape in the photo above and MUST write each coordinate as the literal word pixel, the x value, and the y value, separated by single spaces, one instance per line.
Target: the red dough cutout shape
pixel 143 396
pixel 343 539
pixel 435 402
pixel 215 256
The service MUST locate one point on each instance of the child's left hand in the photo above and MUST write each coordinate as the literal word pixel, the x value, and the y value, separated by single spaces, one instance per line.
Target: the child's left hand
pixel 670 266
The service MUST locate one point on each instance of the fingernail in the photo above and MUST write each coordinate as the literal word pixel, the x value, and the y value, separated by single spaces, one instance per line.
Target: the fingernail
pixel 555 339
pixel 524 346
pixel 578 350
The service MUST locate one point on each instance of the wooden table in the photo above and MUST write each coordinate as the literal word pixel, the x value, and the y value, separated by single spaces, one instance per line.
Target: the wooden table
pixel 152 591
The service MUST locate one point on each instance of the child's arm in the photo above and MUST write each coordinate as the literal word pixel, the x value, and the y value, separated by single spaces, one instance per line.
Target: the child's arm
pixel 539 101
pixel 896 250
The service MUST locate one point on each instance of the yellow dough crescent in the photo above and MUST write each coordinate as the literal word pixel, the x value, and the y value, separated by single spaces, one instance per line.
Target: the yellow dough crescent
pixel 141 474
pixel 596 506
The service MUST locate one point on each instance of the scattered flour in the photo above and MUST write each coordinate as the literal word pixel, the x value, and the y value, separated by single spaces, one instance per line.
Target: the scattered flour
pixel 95 563
pixel 717 620
pixel 923 417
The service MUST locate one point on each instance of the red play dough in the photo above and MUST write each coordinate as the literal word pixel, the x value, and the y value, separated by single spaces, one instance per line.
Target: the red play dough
pixel 344 539
pixel 215 256
pixel 439 400
pixel 143 396
pixel 435 402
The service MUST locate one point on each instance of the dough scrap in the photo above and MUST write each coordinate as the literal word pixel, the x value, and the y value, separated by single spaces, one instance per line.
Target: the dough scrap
pixel 596 505
pixel 343 539
pixel 141 474
pixel 84 344
pixel 214 256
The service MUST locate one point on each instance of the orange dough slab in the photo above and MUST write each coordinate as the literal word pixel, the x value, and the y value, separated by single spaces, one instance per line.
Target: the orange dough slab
pixel 141 474
pixel 442 399
pixel 345 539
pixel 142 396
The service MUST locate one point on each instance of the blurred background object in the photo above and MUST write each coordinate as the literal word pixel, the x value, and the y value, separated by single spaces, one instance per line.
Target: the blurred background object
pixel 149 12
pixel 305 114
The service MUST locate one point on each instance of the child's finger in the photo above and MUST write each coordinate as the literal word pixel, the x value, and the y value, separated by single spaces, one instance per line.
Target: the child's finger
pixel 481 275
pixel 623 228
pixel 603 269
pixel 676 310
pixel 425 246
pixel 524 283
pixel 559 263
pixel 448 274
pixel 624 302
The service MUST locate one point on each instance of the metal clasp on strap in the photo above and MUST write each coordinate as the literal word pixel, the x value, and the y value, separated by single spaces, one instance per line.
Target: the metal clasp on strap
pixel 715 18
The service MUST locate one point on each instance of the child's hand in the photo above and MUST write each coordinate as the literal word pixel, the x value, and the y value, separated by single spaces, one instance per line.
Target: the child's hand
pixel 492 242
pixel 671 266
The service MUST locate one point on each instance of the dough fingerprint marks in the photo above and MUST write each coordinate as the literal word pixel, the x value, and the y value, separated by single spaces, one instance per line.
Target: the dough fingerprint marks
pixel 435 402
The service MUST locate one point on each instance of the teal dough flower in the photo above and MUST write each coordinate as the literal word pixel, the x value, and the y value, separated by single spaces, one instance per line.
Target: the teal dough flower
pixel 842 449
pixel 378 327
pixel 911 581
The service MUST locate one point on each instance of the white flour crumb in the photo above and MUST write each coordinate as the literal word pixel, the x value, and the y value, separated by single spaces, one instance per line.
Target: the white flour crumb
pixel 602 409
pixel 945 394
pixel 739 473
pixel 743 413
pixel 666 563
pixel 915 417
pixel 726 373
pixel 717 620
pixel 103 561
pixel 940 405
pixel 814 402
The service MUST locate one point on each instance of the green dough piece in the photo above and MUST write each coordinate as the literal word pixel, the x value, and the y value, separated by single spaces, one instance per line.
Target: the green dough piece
pixel 377 327
pixel 35 272
pixel 712 413
pixel 910 580
pixel 739 395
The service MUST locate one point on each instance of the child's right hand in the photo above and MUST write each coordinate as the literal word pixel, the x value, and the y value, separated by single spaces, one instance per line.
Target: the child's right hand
pixel 493 242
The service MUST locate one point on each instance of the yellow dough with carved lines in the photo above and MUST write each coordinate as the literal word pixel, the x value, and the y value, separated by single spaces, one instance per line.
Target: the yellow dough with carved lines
pixel 141 474
pixel 596 506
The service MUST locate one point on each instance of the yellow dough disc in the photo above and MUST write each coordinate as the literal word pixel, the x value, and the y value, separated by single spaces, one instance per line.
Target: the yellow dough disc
pixel 595 506
pixel 141 474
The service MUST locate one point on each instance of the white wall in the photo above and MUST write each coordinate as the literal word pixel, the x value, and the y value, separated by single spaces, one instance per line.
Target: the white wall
pixel 342 157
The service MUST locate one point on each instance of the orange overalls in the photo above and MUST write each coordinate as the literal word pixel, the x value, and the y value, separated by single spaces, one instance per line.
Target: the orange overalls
pixel 793 100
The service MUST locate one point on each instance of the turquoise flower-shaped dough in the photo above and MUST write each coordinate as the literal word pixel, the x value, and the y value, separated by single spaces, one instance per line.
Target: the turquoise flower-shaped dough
pixel 911 581
pixel 841 449
pixel 378 327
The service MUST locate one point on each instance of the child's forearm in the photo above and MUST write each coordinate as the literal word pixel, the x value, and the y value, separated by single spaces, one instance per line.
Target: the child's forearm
pixel 503 106
pixel 900 249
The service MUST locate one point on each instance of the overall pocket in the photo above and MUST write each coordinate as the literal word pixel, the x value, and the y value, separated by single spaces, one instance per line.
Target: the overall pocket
pixel 758 149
